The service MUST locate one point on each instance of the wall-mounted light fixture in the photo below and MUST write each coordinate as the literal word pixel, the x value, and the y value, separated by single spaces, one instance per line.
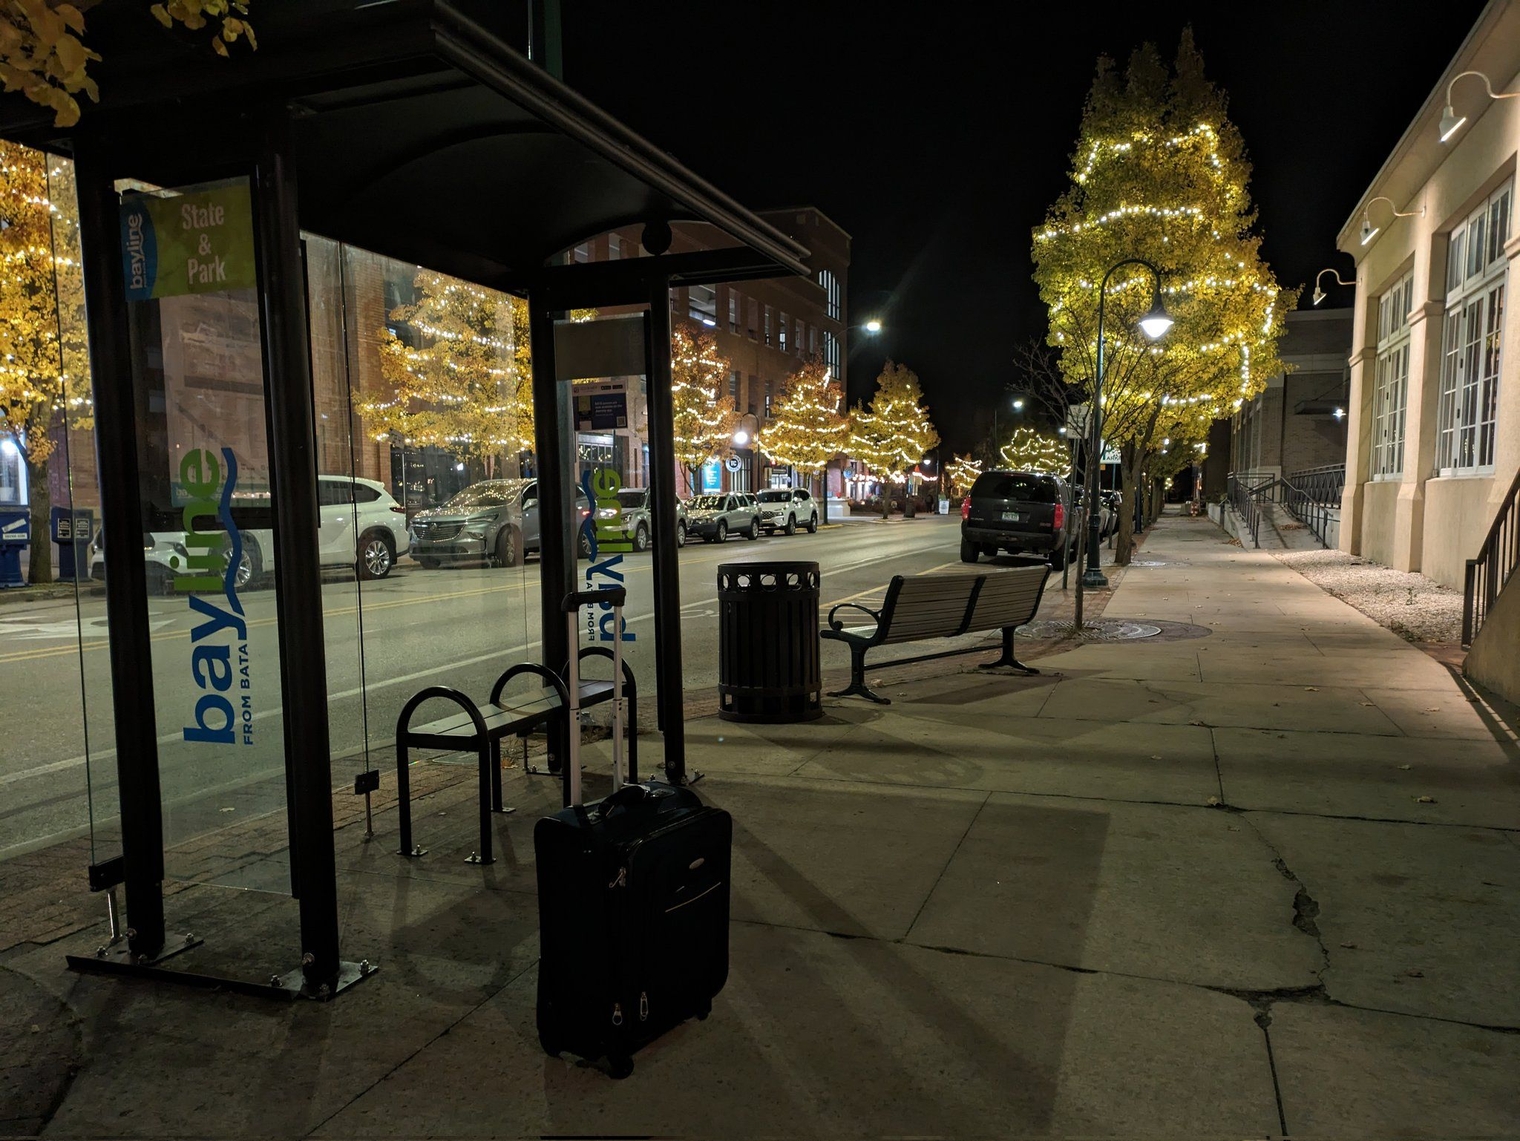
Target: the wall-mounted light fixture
pixel 1451 122
pixel 1319 294
pixel 1369 231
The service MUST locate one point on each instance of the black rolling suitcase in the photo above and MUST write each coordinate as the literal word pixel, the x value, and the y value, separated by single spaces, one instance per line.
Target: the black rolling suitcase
pixel 632 900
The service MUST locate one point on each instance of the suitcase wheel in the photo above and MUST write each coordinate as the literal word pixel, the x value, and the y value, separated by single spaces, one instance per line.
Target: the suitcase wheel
pixel 619 1066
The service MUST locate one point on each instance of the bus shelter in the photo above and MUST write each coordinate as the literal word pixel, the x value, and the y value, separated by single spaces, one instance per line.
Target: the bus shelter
pixel 209 192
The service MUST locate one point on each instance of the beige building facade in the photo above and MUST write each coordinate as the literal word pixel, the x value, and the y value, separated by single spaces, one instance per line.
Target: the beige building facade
pixel 1433 440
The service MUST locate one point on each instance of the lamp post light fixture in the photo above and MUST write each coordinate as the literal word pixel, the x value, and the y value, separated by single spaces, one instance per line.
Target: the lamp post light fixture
pixel 743 438
pixel 873 325
pixel 1451 122
pixel 1154 325
pixel 1369 231
pixel 1319 294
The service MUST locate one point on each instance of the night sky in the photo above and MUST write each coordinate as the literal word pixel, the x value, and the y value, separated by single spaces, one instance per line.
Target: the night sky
pixel 938 143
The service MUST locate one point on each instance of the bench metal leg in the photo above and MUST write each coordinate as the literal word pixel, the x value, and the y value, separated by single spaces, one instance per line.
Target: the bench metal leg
pixel 1007 658
pixel 496 779
pixel 858 686
pixel 483 854
pixel 404 801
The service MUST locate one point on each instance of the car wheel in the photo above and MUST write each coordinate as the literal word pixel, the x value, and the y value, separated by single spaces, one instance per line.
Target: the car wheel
pixel 813 523
pixel 248 565
pixel 791 525
pixel 376 555
pixel 754 530
pixel 431 564
pixel 585 545
pixel 990 550
pixel 641 538
pixel 721 534
pixel 680 534
pixel 508 547
pixel 968 552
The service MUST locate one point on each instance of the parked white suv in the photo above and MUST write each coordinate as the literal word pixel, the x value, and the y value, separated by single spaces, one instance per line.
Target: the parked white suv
pixel 786 509
pixel 361 526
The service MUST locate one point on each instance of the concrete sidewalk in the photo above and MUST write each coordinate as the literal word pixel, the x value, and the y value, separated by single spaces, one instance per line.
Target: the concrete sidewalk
pixel 1254 875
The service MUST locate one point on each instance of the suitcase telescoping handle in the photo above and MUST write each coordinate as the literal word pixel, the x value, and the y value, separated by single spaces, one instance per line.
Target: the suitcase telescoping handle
pixel 617 596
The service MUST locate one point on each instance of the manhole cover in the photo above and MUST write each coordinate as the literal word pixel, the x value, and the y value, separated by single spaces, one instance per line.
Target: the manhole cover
pixel 1116 630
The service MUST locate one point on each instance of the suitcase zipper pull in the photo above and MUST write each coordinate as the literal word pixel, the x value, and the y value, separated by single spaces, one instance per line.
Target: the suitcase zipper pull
pixel 617 1015
pixel 620 880
pixel 643 1006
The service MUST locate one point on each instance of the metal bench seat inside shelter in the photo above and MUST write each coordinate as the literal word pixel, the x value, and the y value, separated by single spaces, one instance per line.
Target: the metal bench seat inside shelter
pixel 940 606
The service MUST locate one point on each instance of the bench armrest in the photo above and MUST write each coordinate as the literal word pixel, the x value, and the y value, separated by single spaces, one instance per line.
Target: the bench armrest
pixel 551 680
pixel 834 624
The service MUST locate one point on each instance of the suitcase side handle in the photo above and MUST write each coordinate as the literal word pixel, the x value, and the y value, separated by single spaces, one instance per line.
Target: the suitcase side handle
pixel 625 797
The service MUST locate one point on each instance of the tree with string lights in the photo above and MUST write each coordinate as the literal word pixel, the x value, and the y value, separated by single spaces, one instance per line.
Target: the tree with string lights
pixel 807 429
pixel 44 359
pixel 465 385
pixel 962 472
pixel 1029 450
pixel 703 424
pixel 894 431
pixel 1159 172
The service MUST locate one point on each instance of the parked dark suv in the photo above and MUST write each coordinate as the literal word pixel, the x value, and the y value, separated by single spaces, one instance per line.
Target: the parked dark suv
pixel 1016 511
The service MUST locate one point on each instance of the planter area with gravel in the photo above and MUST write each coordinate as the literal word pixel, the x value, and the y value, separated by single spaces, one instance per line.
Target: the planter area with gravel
pixel 1414 607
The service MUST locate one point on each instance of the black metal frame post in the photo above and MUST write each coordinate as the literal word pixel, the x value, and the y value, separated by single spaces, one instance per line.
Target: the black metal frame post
pixel 670 700
pixel 142 825
pixel 298 572
pixel 555 443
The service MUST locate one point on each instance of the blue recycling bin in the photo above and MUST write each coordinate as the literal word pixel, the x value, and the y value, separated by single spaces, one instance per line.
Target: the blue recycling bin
pixel 15 537
pixel 72 530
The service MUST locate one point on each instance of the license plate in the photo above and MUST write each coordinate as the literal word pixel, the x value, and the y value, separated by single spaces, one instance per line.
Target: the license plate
pixel 1010 516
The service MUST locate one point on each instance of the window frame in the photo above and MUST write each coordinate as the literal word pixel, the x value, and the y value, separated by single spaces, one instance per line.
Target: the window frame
pixel 1390 390
pixel 1472 338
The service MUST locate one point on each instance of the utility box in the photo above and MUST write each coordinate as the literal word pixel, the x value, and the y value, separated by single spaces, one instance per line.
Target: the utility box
pixel 15 537
pixel 72 530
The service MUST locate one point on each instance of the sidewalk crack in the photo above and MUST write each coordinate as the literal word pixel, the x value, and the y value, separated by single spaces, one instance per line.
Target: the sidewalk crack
pixel 1305 906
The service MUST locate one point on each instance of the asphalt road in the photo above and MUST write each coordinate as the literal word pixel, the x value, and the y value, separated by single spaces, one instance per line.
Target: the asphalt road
pixel 385 640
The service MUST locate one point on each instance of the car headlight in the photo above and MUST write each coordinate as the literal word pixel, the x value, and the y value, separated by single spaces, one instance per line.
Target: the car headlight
pixel 607 512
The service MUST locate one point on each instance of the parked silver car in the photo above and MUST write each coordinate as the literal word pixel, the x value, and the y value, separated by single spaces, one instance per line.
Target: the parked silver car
pixel 495 521
pixel 716 517
pixel 632 520
pixel 786 509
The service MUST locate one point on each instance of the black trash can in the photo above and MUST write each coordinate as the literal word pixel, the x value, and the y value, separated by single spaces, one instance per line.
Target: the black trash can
pixel 768 642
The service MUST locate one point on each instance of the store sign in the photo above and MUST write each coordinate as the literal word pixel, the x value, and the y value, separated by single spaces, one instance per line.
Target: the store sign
pixel 712 476
pixel 1110 454
pixel 200 242
pixel 733 463
pixel 210 564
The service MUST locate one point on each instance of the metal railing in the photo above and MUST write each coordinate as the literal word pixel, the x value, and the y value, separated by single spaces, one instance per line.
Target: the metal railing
pixel 1312 494
pixel 1244 499
pixel 1496 561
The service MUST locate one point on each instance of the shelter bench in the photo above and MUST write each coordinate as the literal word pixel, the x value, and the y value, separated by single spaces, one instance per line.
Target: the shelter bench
pixel 940 606
pixel 481 729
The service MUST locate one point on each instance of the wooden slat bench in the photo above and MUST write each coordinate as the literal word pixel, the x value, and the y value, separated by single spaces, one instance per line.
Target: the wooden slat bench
pixel 940 606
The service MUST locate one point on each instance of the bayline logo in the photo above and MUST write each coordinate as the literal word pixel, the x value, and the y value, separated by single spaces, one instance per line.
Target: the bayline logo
pixel 217 720
pixel 601 487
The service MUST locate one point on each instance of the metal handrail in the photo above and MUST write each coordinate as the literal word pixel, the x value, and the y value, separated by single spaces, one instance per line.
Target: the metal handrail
pixel 1311 494
pixel 1243 499
pixel 1495 563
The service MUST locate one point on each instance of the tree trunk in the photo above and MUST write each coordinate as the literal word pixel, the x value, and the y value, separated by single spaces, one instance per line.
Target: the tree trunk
pixel 40 557
pixel 1124 535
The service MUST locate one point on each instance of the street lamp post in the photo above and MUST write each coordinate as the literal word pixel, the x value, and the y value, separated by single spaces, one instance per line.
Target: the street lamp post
pixel 745 439
pixel 1154 324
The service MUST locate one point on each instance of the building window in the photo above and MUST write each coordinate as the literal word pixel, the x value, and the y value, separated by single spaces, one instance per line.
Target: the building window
pixel 702 304
pixel 1473 337
pixel 830 285
pixel 1390 394
pixel 614 247
pixel 753 327
pixel 781 330
pixel 797 338
pixel 733 388
pixel 769 315
pixel 769 393
pixel 831 354
pixel 733 311
pixel 583 252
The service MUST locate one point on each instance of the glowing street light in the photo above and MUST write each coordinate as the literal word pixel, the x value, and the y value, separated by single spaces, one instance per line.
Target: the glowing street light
pixel 873 326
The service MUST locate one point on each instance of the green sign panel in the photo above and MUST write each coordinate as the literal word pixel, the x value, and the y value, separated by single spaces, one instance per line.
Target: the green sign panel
pixel 200 241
